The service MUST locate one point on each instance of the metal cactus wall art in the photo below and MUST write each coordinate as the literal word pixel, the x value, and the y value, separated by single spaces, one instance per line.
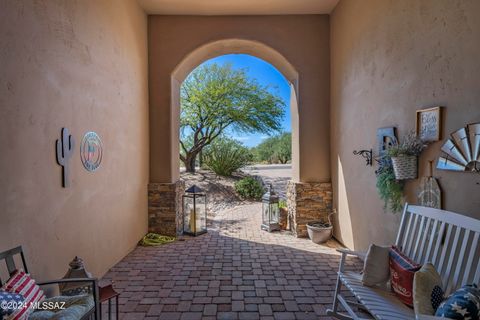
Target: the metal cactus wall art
pixel 64 153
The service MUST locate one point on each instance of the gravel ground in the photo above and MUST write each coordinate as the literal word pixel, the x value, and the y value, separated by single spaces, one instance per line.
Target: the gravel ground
pixel 221 193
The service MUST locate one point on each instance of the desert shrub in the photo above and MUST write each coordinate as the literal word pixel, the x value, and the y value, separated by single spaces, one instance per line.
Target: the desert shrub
pixel 225 156
pixel 249 188
pixel 276 149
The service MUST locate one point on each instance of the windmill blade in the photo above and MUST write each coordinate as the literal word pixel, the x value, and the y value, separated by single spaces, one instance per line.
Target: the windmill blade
pixel 460 138
pixel 453 152
pixel 449 164
pixel 474 134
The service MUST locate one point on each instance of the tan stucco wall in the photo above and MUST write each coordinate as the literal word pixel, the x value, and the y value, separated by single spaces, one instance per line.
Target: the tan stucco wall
pixel 302 40
pixel 82 65
pixel 388 59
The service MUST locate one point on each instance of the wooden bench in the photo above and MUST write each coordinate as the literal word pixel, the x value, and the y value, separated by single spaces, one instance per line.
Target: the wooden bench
pixel 448 240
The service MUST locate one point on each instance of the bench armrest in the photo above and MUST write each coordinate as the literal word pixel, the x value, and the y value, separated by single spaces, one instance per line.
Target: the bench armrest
pixel 358 254
pixel 93 281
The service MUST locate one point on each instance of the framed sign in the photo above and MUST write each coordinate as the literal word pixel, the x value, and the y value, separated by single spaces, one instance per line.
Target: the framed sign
pixel 428 124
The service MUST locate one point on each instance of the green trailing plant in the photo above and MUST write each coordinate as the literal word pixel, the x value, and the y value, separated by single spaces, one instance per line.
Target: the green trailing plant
pixel 390 189
pixel 225 156
pixel 282 204
pixel 249 188
pixel 411 145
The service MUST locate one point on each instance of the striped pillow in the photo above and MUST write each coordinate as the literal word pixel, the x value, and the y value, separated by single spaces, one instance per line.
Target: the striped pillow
pixel 402 272
pixel 21 283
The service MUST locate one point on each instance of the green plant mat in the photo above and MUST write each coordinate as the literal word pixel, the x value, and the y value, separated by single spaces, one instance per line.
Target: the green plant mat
pixel 155 239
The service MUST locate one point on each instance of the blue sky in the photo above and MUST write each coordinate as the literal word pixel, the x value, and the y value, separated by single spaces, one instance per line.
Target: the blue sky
pixel 266 74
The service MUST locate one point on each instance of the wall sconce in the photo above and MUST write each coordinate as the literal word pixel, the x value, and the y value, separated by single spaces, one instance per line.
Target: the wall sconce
pixel 366 154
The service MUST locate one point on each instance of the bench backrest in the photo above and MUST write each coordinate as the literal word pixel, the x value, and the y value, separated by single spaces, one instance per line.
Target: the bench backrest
pixel 448 240
pixel 9 258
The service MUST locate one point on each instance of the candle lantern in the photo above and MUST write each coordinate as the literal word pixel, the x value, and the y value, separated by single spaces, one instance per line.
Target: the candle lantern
pixel 270 214
pixel 194 211
pixel 76 270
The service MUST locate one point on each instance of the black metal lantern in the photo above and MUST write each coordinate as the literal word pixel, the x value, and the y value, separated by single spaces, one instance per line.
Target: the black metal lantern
pixel 194 211
pixel 270 211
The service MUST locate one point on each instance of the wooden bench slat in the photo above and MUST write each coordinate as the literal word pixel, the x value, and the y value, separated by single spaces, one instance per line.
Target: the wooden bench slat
pixel 458 266
pixel 471 257
pixel 410 240
pixel 432 237
pixel 406 233
pixel 444 253
pixel 452 252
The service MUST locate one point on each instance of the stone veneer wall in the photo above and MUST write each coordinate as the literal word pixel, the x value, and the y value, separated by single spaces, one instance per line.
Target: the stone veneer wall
pixel 307 202
pixel 165 208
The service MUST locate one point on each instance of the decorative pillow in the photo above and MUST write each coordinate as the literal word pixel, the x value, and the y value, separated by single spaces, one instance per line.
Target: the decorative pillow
pixel 402 271
pixel 376 267
pixel 462 304
pixel 427 290
pixel 21 283
pixel 73 307
pixel 9 302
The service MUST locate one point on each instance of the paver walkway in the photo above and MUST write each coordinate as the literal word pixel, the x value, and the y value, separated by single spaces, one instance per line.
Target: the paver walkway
pixel 235 271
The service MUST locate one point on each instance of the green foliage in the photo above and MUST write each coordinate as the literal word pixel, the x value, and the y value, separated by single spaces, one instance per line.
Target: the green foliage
pixel 216 97
pixel 277 149
pixel 224 156
pixel 390 189
pixel 411 145
pixel 249 188
pixel 282 204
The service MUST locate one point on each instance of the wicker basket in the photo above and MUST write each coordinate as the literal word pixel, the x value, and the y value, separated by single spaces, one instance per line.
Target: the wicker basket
pixel 405 167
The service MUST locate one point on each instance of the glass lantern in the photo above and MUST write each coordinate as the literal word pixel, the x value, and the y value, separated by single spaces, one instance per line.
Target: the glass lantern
pixel 194 211
pixel 270 211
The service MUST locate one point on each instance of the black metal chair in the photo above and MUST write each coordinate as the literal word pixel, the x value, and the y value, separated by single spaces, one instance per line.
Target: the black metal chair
pixel 9 255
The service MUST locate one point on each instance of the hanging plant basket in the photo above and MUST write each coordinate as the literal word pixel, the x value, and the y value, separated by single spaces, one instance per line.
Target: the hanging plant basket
pixel 405 167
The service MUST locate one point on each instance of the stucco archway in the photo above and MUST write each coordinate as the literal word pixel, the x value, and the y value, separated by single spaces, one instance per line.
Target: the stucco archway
pixel 229 46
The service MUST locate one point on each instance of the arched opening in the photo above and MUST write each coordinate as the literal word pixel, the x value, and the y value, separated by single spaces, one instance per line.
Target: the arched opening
pixel 223 47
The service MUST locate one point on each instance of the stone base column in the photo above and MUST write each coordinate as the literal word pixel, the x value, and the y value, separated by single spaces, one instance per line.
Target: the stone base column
pixel 165 208
pixel 307 202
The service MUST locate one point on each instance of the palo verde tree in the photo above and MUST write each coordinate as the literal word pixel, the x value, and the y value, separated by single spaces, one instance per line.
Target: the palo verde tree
pixel 215 98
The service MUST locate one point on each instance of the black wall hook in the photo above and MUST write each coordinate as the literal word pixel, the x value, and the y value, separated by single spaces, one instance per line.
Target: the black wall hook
pixel 367 155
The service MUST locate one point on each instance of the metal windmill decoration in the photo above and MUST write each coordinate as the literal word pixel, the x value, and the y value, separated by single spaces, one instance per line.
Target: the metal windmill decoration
pixel 462 150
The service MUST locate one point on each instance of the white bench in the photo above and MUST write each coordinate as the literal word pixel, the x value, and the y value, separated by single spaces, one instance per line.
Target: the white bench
pixel 448 240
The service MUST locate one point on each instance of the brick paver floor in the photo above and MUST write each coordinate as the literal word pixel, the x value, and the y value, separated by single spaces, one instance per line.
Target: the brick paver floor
pixel 235 271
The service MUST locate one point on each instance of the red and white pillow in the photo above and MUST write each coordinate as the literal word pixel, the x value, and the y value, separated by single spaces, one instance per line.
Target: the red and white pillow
pixel 402 272
pixel 23 284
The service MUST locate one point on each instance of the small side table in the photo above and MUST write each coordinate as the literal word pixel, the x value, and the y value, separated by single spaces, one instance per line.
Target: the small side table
pixel 107 293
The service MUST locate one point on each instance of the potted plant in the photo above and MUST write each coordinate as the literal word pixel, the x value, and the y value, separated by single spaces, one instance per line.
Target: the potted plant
pixel 404 156
pixel 319 231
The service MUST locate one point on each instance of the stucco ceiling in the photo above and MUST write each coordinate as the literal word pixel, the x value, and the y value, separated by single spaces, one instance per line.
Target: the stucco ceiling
pixel 237 7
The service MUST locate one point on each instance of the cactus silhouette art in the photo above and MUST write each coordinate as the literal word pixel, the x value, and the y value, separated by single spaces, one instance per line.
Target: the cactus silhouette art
pixel 64 153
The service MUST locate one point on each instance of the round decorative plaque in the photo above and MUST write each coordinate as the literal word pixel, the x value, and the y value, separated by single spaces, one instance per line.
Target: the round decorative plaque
pixel 91 151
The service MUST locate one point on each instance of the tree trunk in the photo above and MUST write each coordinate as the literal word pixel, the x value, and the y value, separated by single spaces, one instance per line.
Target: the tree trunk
pixel 190 162
pixel 200 159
